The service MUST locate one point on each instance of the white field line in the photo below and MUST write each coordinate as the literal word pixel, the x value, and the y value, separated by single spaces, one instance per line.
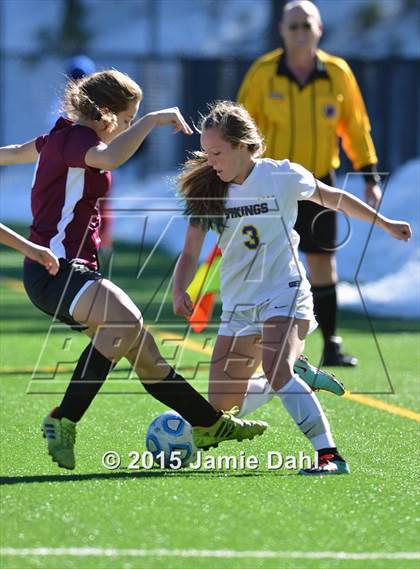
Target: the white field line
pixel 217 553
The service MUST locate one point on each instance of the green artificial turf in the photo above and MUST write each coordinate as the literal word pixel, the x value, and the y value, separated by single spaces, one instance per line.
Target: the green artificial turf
pixel 372 510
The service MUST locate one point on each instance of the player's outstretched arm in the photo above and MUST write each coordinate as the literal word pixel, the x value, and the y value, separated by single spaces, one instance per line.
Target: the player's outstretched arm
pixel 125 144
pixel 35 252
pixel 19 154
pixel 185 270
pixel 339 200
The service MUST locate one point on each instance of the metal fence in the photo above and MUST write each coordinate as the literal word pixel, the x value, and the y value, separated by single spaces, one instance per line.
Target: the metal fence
pixel 390 89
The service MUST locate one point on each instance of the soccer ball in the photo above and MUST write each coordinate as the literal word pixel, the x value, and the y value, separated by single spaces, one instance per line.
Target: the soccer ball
pixel 172 436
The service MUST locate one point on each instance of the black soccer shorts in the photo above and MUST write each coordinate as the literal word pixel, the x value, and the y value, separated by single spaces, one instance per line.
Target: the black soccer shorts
pixel 56 296
pixel 317 225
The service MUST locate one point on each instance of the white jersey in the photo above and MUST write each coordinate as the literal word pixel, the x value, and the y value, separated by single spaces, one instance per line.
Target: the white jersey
pixel 259 245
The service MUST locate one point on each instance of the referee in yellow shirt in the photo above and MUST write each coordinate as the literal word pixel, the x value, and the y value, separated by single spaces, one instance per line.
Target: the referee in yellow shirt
pixel 304 101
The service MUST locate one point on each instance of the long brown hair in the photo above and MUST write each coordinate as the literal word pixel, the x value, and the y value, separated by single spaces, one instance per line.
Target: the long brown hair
pixel 203 191
pixel 100 96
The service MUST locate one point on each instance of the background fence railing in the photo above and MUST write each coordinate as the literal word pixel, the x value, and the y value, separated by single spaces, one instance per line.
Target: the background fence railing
pixel 30 86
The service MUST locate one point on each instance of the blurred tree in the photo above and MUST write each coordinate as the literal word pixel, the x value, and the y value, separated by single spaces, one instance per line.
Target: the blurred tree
pixel 368 16
pixel 273 31
pixel 409 5
pixel 215 10
pixel 71 36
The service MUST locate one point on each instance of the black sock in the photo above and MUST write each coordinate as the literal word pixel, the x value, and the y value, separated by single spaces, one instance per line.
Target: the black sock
pixel 90 373
pixel 176 393
pixel 325 308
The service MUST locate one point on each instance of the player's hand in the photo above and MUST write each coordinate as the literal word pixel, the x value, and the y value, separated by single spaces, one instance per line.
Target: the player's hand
pixel 172 116
pixel 373 194
pixel 398 229
pixel 182 304
pixel 45 257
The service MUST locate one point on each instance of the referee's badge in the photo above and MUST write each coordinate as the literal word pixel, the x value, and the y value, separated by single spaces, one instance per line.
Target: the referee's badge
pixel 330 111
pixel 276 95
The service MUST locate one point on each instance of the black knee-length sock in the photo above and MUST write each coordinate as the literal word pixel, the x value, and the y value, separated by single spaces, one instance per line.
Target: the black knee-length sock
pixel 90 373
pixel 176 393
pixel 325 307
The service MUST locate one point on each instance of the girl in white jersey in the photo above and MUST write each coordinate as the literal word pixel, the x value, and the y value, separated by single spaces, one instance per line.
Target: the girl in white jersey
pixel 267 303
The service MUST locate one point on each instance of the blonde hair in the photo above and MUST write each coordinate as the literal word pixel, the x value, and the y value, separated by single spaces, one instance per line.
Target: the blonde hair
pixel 100 96
pixel 204 193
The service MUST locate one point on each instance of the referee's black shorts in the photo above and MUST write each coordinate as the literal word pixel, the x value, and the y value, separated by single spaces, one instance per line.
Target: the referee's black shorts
pixel 57 295
pixel 317 225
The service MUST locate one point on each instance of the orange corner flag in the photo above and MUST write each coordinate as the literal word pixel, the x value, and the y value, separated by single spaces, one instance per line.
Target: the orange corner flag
pixel 203 290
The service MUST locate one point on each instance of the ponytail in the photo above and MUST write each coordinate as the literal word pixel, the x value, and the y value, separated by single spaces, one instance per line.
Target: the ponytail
pixel 204 193
pixel 100 96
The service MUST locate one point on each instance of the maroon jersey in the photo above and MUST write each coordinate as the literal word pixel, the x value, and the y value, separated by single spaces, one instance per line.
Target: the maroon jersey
pixel 65 192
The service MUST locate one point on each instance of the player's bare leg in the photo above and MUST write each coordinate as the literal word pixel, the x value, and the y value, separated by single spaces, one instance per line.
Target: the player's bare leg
pixel 236 378
pixel 234 361
pixel 113 323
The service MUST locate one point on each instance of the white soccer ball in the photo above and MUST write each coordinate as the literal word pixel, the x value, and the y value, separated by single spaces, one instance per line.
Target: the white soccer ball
pixel 170 439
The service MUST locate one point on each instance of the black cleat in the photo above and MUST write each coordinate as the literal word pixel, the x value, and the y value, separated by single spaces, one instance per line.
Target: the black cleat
pixel 333 356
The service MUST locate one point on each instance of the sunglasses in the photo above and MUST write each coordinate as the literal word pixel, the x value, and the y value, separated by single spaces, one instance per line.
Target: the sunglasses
pixel 304 26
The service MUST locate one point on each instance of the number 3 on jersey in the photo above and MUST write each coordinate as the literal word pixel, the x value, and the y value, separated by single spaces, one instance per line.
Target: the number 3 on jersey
pixel 252 233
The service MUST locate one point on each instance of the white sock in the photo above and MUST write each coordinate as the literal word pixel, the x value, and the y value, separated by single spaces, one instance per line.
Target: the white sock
pixel 258 393
pixel 307 413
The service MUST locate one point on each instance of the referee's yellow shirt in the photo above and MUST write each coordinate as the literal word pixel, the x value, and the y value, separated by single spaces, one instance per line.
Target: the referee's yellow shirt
pixel 304 124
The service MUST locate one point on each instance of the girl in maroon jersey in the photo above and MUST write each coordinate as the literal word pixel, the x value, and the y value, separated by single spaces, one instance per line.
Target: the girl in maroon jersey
pixel 72 173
